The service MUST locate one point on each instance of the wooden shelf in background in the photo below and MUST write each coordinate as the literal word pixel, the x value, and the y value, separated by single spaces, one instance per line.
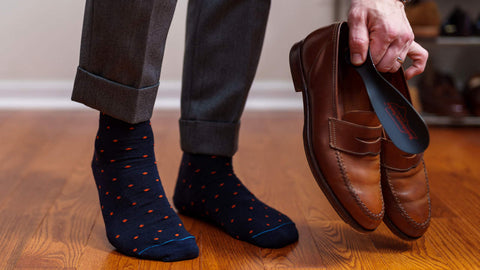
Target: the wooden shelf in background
pixel 434 120
pixel 451 41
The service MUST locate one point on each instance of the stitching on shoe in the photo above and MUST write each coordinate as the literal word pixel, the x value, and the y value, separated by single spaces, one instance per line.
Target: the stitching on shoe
pixel 428 190
pixel 359 202
pixel 402 210
pixel 334 135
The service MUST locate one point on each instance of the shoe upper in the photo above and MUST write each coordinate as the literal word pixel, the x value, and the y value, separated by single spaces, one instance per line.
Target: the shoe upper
pixel 406 190
pixel 347 145
pixel 405 185
pixel 345 133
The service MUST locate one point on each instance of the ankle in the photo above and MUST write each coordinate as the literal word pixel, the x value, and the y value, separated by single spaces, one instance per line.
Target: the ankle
pixel 207 165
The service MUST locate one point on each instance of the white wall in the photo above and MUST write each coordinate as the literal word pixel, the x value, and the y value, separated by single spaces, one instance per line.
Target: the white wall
pixel 40 40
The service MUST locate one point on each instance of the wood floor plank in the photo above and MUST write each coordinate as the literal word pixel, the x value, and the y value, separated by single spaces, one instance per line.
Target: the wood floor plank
pixel 399 254
pixel 62 235
pixel 61 238
pixel 344 248
pixel 40 184
pixel 24 210
pixel 32 192
pixel 49 214
pixel 458 243
pixel 20 147
pixel 454 174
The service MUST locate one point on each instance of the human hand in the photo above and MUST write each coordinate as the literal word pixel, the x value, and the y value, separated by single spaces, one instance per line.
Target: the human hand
pixel 419 56
pixel 383 26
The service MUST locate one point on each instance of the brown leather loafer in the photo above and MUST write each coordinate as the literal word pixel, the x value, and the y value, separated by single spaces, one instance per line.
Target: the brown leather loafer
pixel 342 135
pixel 404 183
pixel 405 192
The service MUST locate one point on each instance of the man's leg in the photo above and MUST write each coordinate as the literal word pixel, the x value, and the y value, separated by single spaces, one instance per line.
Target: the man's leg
pixel 224 41
pixel 121 55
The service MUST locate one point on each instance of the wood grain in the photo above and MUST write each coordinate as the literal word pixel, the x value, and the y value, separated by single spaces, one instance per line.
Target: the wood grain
pixel 50 218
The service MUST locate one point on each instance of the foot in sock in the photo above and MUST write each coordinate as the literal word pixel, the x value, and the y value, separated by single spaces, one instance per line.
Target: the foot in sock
pixel 207 188
pixel 138 217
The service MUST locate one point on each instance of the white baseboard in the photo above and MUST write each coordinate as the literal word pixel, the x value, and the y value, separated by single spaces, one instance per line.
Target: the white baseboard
pixel 55 95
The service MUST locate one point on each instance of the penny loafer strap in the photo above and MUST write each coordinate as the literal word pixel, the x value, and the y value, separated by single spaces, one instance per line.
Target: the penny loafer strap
pixel 353 138
pixel 396 159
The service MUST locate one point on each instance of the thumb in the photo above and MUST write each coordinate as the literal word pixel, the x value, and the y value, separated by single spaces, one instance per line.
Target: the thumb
pixel 358 41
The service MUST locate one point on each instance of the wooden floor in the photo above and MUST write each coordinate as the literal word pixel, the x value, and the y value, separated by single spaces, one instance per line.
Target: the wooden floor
pixel 50 218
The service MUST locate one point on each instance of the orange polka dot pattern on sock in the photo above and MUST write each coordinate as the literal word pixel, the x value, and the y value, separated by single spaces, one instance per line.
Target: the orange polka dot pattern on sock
pixel 223 200
pixel 132 197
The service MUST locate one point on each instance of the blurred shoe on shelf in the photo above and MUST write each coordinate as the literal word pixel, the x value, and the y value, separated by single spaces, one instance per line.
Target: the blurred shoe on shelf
pixel 476 26
pixel 472 94
pixel 458 23
pixel 424 18
pixel 440 96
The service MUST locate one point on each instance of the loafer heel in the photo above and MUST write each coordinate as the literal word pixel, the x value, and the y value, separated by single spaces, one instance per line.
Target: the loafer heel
pixel 296 67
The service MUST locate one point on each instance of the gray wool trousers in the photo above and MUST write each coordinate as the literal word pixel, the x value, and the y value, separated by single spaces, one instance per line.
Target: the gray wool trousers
pixel 121 56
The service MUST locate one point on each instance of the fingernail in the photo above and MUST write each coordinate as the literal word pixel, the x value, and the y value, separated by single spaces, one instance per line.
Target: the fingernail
pixel 356 59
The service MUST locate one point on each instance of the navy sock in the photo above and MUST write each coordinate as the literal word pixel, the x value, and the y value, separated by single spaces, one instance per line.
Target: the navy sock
pixel 207 188
pixel 138 217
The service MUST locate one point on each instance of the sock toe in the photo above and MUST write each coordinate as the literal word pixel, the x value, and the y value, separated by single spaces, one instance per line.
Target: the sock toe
pixel 278 237
pixel 171 251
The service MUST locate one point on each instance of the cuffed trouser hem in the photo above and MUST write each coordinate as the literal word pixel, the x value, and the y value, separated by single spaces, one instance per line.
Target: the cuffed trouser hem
pixel 126 103
pixel 209 138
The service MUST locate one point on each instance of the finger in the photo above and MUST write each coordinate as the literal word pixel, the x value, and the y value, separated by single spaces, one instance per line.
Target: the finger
pixel 358 38
pixel 389 61
pixel 419 57
pixel 398 61
pixel 379 44
pixel 396 52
